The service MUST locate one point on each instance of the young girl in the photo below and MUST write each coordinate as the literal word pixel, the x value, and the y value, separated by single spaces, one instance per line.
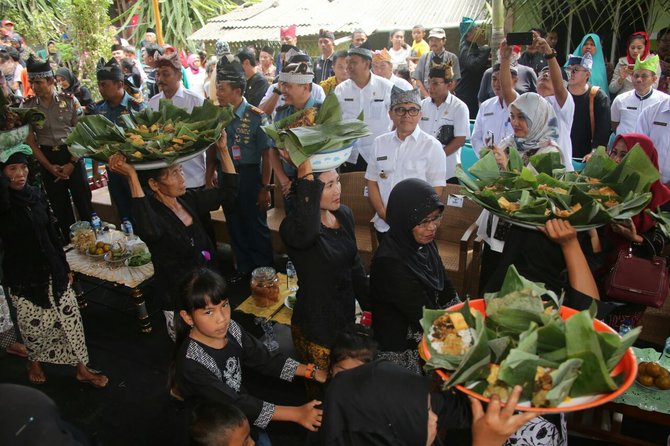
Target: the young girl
pixel 213 348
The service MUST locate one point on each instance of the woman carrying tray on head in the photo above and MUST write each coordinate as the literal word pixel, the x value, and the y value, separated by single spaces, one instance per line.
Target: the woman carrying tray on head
pixel 37 275
pixel 169 219
pixel 321 242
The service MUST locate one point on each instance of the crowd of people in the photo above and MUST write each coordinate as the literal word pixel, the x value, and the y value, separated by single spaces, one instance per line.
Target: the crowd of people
pixel 418 101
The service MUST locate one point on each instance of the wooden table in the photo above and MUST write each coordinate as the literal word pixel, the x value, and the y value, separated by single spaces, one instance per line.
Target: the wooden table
pixel 132 278
pixel 277 312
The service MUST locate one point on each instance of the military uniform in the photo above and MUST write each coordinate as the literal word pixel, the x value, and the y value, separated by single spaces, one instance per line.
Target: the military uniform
pixel 249 233
pixel 61 117
pixel 119 189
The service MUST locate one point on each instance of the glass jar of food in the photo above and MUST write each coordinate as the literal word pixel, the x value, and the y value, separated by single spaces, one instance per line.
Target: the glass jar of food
pixel 264 286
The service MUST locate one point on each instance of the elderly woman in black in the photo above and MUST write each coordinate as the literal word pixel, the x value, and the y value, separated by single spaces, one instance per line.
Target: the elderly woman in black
pixel 37 275
pixel 407 273
pixel 170 220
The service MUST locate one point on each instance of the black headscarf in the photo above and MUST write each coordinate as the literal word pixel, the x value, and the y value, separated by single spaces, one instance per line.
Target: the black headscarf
pixel 410 202
pixel 376 404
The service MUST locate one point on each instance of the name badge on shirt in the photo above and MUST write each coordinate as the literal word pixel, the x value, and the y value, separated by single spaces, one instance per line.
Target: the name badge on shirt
pixel 631 108
pixel 664 124
pixel 237 153
pixel 424 118
pixel 488 114
pixel 348 99
pixel 378 100
pixel 382 158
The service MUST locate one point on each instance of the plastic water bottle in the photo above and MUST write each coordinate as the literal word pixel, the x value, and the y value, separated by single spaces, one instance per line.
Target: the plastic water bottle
pixel 291 277
pixel 625 327
pixel 127 228
pixel 96 223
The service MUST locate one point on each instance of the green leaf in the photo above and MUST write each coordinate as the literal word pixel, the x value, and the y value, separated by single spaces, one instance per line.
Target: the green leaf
pixel 635 173
pixel 599 165
pixel 547 162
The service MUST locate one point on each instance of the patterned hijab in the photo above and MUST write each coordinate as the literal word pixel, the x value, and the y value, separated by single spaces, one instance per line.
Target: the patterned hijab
pixel 541 120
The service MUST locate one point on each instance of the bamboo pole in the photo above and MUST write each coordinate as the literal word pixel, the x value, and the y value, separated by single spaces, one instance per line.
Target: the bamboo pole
pixel 498 27
pixel 159 26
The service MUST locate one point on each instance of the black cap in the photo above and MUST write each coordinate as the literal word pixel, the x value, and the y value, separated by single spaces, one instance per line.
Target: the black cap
pixel 111 71
pixel 38 68
pixel 268 50
pixel 230 72
pixel 150 30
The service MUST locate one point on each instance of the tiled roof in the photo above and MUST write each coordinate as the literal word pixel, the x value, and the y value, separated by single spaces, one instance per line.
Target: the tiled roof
pixel 261 21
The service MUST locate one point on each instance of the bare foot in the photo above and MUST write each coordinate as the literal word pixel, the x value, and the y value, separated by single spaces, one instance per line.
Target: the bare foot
pixel 17 349
pixel 36 374
pixel 85 375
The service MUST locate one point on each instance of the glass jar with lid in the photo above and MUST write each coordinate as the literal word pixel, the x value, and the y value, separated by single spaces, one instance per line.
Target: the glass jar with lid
pixel 264 286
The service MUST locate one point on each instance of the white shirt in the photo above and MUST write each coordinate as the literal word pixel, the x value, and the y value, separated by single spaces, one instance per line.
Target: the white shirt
pixel 399 57
pixel 565 117
pixel 374 100
pixel 400 82
pixel 492 116
pixel 196 82
pixel 452 112
pixel 317 94
pixel 654 121
pixel 626 108
pixel 418 156
pixel 194 169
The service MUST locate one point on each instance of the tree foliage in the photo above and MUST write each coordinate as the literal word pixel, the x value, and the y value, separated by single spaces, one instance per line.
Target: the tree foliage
pixel 179 18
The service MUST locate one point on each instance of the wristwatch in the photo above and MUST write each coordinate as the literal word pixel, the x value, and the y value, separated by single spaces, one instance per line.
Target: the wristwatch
pixel 310 371
pixel 550 55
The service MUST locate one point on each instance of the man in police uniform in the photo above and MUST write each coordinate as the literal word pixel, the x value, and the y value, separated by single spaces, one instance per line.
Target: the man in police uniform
pixel 115 103
pixel 368 93
pixel 62 173
pixel 248 145
pixel 295 83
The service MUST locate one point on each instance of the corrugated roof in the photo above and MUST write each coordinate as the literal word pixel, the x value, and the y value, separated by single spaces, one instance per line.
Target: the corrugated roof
pixel 261 21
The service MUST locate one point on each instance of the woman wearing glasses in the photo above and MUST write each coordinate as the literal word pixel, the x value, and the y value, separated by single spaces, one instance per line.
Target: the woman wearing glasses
pixel 407 273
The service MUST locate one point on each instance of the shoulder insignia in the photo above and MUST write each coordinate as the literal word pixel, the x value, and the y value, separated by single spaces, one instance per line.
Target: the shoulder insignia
pixel 64 94
pixel 256 110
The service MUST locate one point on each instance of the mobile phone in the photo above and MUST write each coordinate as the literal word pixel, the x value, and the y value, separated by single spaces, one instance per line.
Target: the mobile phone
pixel 520 38
pixel 490 139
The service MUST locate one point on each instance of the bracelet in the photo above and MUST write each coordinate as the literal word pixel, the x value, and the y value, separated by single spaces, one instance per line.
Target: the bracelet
pixel 310 371
pixel 550 56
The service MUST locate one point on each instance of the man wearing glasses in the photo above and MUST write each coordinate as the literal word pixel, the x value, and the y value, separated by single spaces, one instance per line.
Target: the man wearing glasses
pixel 406 152
pixel 626 108
pixel 591 123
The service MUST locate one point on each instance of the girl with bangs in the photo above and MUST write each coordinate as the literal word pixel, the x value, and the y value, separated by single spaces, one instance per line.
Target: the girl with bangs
pixel 212 349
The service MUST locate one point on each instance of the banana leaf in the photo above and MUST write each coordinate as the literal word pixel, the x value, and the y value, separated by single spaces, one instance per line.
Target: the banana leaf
pixel 599 165
pixel 514 160
pixel 329 110
pixel 485 169
pixel 514 282
pixel 582 342
pixel 614 346
pixel 30 116
pixel 562 380
pixel 630 206
pixel 14 137
pixel 476 359
pixel 547 162
pixel 98 138
pixel 662 219
pixel 635 173
pixel 438 359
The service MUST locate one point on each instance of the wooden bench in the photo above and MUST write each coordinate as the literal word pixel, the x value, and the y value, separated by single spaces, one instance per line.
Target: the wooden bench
pixel 457 242
pixel 355 197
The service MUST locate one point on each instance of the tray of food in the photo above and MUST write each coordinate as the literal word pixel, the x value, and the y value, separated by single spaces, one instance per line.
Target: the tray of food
pixel 602 192
pixel 150 139
pixel 565 360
